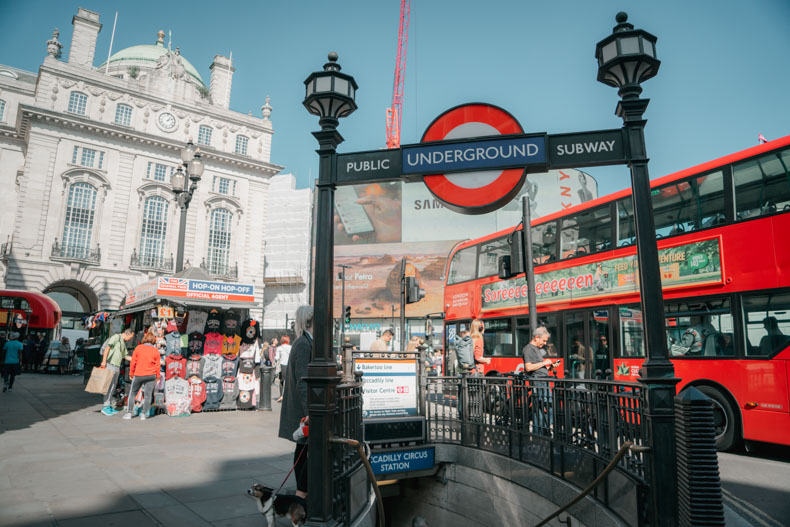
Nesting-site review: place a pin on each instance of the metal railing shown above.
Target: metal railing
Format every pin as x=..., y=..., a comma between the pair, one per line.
x=151, y=262
x=76, y=253
x=228, y=272
x=346, y=461
x=571, y=428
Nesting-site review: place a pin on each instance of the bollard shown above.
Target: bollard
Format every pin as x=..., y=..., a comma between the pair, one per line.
x=699, y=486
x=265, y=387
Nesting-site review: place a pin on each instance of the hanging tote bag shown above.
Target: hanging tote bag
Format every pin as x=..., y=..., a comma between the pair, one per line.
x=100, y=381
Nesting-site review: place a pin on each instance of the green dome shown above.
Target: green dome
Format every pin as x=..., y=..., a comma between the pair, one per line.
x=150, y=53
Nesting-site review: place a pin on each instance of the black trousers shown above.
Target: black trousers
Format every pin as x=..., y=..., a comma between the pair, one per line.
x=300, y=466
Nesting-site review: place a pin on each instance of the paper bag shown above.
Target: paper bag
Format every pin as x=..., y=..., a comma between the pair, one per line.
x=100, y=381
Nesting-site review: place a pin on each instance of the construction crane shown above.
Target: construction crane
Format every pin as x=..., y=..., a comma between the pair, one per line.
x=395, y=112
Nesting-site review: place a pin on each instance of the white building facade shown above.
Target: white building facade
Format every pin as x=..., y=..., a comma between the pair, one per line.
x=86, y=155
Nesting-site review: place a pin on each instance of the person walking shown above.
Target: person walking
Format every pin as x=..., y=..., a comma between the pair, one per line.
x=282, y=354
x=144, y=372
x=478, y=328
x=41, y=352
x=12, y=353
x=537, y=366
x=383, y=342
x=29, y=353
x=65, y=355
x=113, y=355
x=294, y=408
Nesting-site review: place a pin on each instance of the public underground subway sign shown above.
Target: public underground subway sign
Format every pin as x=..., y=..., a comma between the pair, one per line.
x=473, y=139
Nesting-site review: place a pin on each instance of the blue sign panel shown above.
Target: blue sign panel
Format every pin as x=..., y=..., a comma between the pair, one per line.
x=479, y=154
x=403, y=461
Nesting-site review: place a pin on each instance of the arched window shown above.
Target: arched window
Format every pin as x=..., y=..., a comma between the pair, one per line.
x=78, y=227
x=241, y=144
x=154, y=232
x=204, y=135
x=2, y=110
x=219, y=241
x=78, y=102
x=123, y=115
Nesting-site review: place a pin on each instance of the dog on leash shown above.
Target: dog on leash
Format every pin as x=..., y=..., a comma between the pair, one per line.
x=284, y=505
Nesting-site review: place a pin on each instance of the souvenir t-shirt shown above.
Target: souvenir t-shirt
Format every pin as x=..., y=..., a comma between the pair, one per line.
x=246, y=381
x=196, y=322
x=194, y=366
x=184, y=344
x=230, y=345
x=212, y=343
x=231, y=324
x=182, y=323
x=213, y=322
x=175, y=366
x=173, y=343
x=246, y=399
x=213, y=393
x=250, y=331
x=229, y=365
x=176, y=389
x=212, y=366
x=230, y=391
x=197, y=393
x=196, y=343
x=247, y=365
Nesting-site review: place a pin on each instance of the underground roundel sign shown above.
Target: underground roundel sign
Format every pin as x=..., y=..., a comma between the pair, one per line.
x=481, y=191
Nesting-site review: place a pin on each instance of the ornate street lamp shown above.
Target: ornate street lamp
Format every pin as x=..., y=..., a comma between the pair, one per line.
x=184, y=182
x=329, y=94
x=626, y=58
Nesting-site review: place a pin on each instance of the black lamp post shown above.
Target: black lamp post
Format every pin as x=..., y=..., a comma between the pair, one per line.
x=184, y=186
x=329, y=94
x=626, y=58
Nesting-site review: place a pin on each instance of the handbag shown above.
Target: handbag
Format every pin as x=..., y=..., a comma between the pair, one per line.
x=100, y=381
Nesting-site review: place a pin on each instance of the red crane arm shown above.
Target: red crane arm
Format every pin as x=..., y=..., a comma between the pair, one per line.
x=395, y=112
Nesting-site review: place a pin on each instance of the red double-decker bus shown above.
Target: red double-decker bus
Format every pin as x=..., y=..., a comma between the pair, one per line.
x=723, y=231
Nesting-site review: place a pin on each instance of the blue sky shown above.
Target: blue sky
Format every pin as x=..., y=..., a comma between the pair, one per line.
x=723, y=78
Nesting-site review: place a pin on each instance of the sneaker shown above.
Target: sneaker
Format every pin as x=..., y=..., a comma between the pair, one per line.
x=112, y=410
x=143, y=417
x=10, y=389
x=127, y=415
x=5, y=389
x=107, y=411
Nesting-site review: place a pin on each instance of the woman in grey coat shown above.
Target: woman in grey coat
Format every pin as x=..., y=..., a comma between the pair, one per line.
x=294, y=406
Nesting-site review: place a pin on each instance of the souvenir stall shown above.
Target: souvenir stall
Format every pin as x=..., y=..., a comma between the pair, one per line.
x=209, y=346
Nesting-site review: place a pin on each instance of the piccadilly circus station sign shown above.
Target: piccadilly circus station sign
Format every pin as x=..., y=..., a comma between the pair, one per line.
x=474, y=158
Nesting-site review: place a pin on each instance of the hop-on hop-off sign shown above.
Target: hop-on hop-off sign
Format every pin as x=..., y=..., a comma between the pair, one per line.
x=492, y=164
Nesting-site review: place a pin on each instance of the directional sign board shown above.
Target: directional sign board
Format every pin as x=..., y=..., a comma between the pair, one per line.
x=376, y=165
x=488, y=188
x=603, y=147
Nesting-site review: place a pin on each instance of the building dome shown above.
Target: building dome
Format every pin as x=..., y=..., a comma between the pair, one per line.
x=148, y=56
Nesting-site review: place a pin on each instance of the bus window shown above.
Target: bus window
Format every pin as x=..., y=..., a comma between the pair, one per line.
x=767, y=323
x=544, y=243
x=626, y=235
x=462, y=266
x=689, y=205
x=632, y=343
x=587, y=232
x=599, y=341
x=762, y=185
x=498, y=338
x=487, y=264
x=700, y=329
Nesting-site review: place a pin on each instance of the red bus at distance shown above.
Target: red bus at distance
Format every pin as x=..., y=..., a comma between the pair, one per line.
x=722, y=228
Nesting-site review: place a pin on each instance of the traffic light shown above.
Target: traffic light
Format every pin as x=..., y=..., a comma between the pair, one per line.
x=347, y=315
x=413, y=291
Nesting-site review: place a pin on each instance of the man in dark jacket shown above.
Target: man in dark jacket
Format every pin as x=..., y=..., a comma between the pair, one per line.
x=294, y=406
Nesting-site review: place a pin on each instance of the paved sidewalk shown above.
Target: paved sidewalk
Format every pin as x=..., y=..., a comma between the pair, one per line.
x=64, y=463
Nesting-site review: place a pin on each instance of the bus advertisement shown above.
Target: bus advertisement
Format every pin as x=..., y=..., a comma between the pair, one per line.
x=725, y=269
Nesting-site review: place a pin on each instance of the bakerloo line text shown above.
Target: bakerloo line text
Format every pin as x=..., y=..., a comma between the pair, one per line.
x=549, y=286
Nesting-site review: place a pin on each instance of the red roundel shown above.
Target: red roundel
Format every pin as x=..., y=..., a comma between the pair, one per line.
x=474, y=192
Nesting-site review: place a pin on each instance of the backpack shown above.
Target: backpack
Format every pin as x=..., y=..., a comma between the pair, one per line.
x=464, y=353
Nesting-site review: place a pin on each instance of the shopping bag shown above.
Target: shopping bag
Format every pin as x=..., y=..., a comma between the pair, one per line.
x=100, y=381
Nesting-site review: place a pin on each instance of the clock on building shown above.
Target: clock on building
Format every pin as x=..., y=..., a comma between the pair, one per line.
x=167, y=121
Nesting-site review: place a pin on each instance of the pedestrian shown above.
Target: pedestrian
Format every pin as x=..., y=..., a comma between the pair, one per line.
x=144, y=372
x=537, y=366
x=282, y=354
x=41, y=352
x=65, y=355
x=114, y=352
x=12, y=354
x=383, y=342
x=29, y=353
x=478, y=328
x=294, y=408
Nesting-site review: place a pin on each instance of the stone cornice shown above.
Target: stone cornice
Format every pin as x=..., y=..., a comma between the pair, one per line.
x=30, y=113
x=123, y=86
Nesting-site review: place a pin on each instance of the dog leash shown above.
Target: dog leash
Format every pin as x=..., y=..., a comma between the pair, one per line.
x=277, y=492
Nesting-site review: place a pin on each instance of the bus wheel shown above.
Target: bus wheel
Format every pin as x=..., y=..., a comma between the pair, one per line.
x=724, y=421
